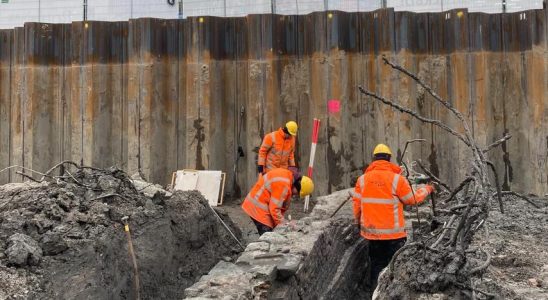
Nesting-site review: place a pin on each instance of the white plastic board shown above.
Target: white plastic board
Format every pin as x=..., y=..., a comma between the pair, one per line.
x=206, y=182
x=186, y=180
x=209, y=183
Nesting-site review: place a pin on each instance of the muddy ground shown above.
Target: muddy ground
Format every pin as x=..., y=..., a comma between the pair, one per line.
x=65, y=239
x=517, y=243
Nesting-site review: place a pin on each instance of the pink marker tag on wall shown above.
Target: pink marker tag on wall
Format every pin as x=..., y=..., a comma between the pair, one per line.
x=333, y=106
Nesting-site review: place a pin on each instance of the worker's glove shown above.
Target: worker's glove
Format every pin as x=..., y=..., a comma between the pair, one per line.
x=430, y=188
x=260, y=169
x=350, y=232
x=356, y=225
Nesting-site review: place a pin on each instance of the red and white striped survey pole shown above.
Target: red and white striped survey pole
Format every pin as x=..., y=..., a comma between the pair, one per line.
x=315, y=131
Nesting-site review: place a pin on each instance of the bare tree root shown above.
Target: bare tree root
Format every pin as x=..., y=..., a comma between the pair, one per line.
x=496, y=143
x=459, y=188
x=434, y=178
x=481, y=267
x=416, y=115
x=497, y=184
x=24, y=169
x=26, y=176
x=467, y=287
x=519, y=196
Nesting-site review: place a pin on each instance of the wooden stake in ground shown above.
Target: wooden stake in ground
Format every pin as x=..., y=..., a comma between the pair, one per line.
x=133, y=259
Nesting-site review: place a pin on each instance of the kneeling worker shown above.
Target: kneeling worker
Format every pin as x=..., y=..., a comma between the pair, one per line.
x=379, y=196
x=269, y=199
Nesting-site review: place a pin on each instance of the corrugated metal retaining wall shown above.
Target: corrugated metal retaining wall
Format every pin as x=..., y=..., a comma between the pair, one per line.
x=162, y=95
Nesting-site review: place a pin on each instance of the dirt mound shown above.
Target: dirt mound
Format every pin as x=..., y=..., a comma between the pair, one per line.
x=509, y=262
x=66, y=239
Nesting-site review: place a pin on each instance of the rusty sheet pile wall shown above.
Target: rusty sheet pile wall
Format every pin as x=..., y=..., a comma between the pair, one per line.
x=162, y=95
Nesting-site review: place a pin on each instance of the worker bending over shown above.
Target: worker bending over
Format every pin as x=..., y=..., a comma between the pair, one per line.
x=277, y=149
x=269, y=198
x=379, y=196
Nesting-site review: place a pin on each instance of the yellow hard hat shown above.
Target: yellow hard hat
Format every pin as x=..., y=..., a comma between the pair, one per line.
x=382, y=149
x=307, y=186
x=292, y=127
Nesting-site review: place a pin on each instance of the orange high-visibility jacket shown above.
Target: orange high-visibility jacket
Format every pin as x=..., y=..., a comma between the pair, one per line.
x=277, y=151
x=379, y=196
x=269, y=199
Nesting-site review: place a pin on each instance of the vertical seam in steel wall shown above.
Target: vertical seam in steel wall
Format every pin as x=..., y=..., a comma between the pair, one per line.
x=326, y=53
x=10, y=146
x=82, y=53
x=362, y=108
x=236, y=113
x=199, y=86
x=61, y=116
x=122, y=98
x=23, y=100
x=140, y=66
x=396, y=86
x=471, y=78
x=503, y=58
x=177, y=90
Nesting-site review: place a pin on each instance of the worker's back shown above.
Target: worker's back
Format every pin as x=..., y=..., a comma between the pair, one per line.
x=381, y=212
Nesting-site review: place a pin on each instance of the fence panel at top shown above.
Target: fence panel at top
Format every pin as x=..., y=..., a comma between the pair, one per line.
x=16, y=12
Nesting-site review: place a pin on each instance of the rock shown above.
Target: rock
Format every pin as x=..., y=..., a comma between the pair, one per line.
x=264, y=273
x=23, y=250
x=108, y=184
x=52, y=243
x=225, y=268
x=288, y=266
x=75, y=233
x=273, y=238
x=258, y=246
x=534, y=282
x=248, y=258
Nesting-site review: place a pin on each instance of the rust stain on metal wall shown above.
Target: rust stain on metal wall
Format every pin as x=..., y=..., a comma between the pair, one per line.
x=159, y=95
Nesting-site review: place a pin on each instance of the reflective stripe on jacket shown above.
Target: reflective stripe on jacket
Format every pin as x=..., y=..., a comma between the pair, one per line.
x=379, y=196
x=269, y=198
x=277, y=151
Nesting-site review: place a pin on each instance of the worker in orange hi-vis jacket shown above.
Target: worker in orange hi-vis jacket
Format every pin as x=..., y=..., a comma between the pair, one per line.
x=270, y=197
x=379, y=196
x=278, y=149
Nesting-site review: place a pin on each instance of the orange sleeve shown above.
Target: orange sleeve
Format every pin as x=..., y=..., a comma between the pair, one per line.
x=407, y=196
x=263, y=150
x=280, y=193
x=357, y=200
x=292, y=154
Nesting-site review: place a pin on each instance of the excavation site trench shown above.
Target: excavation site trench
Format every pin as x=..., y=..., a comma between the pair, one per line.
x=65, y=238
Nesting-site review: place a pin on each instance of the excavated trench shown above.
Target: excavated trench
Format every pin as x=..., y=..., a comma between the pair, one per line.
x=65, y=239
x=336, y=268
x=316, y=257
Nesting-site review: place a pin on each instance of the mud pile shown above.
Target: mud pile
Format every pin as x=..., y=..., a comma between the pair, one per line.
x=66, y=239
x=515, y=243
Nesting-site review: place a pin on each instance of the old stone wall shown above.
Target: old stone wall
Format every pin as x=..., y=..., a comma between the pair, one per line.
x=316, y=257
x=160, y=95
